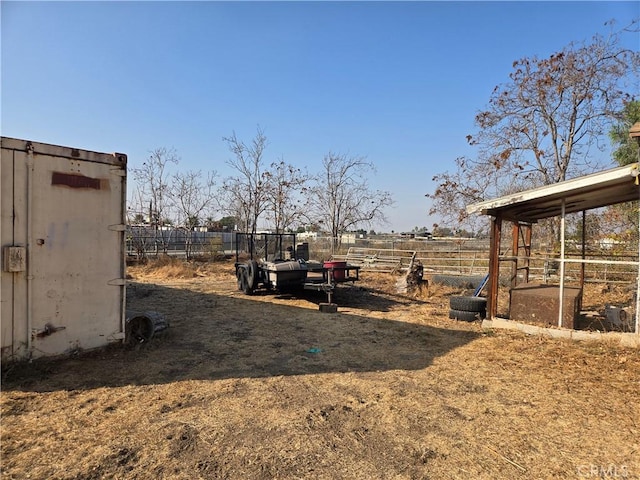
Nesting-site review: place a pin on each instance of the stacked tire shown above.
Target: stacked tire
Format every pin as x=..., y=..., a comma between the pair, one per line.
x=467, y=308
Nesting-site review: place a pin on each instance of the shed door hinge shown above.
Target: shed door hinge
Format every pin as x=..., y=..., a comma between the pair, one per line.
x=14, y=258
x=117, y=282
x=118, y=227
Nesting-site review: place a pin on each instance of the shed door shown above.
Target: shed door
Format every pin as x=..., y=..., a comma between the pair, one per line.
x=76, y=257
x=77, y=253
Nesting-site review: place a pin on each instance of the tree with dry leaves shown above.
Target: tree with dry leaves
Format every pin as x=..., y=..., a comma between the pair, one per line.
x=544, y=126
x=341, y=199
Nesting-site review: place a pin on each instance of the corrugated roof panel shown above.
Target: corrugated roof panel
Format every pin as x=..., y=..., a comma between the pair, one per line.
x=610, y=187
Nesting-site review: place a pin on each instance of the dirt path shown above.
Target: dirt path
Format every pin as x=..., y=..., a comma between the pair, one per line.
x=266, y=386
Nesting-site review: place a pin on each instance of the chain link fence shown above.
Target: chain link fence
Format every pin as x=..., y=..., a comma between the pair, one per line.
x=454, y=256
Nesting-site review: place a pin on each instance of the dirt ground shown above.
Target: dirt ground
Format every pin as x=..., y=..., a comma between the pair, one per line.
x=266, y=387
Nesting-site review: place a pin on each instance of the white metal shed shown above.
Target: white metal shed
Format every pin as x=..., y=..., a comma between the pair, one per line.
x=62, y=235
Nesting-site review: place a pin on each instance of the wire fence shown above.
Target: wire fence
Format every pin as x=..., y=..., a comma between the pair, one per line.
x=438, y=256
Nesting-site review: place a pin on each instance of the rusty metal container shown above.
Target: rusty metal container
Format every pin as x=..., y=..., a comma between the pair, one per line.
x=540, y=304
x=62, y=235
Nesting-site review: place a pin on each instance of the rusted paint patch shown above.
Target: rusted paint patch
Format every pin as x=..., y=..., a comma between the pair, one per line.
x=74, y=180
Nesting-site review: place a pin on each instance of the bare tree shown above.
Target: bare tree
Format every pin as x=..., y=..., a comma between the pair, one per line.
x=192, y=196
x=137, y=207
x=152, y=179
x=543, y=126
x=137, y=235
x=341, y=199
x=244, y=195
x=286, y=202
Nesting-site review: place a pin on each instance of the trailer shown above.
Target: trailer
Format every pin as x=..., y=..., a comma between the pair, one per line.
x=62, y=238
x=275, y=262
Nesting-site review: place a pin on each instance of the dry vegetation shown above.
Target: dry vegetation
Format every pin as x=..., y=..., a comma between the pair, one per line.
x=268, y=387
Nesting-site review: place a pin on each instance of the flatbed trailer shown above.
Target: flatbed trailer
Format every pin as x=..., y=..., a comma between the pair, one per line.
x=273, y=262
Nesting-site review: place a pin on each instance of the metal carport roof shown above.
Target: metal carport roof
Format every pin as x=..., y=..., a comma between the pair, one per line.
x=610, y=187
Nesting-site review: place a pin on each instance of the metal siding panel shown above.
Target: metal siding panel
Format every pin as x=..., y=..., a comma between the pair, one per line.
x=14, y=232
x=6, y=238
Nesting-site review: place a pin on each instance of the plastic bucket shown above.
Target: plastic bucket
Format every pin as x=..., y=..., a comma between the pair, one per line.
x=338, y=269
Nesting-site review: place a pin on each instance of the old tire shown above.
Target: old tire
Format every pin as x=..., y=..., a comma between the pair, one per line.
x=468, y=304
x=458, y=281
x=465, y=316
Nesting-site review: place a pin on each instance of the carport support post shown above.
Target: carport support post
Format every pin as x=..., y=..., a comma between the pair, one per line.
x=494, y=266
x=634, y=134
x=584, y=249
x=638, y=278
x=562, y=226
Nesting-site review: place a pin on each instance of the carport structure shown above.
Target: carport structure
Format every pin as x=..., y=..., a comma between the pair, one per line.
x=523, y=209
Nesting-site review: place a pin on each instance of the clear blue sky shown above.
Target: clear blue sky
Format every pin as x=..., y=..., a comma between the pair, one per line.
x=397, y=82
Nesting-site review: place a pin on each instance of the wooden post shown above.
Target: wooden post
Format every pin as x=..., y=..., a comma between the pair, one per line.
x=515, y=250
x=494, y=267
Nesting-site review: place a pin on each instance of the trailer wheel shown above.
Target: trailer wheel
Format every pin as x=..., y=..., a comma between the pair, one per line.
x=246, y=287
x=468, y=304
x=252, y=274
x=464, y=315
x=239, y=277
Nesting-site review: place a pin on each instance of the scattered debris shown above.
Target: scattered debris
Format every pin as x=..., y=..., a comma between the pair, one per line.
x=413, y=280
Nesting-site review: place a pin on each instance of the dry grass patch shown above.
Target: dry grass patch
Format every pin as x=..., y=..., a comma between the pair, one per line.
x=266, y=386
x=168, y=267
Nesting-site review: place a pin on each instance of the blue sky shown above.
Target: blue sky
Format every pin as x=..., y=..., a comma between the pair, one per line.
x=397, y=82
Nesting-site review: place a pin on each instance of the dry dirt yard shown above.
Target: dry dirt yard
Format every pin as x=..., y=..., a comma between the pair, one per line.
x=266, y=387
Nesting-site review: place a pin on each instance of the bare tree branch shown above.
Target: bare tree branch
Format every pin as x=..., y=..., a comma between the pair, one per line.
x=245, y=193
x=153, y=183
x=192, y=195
x=341, y=199
x=544, y=125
